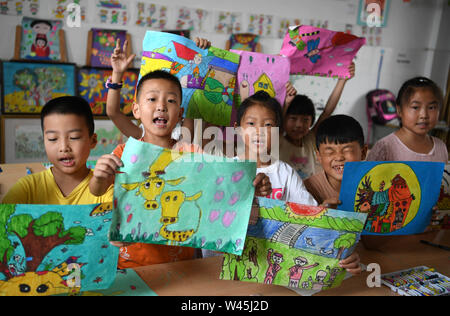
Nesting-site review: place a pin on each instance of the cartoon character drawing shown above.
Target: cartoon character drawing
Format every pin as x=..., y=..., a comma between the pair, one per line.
x=296, y=271
x=171, y=203
x=274, y=260
x=40, y=48
x=320, y=280
x=313, y=50
x=153, y=184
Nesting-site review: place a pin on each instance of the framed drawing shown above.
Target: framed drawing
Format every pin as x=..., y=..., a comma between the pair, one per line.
x=91, y=87
x=27, y=85
x=108, y=137
x=101, y=44
x=40, y=40
x=22, y=140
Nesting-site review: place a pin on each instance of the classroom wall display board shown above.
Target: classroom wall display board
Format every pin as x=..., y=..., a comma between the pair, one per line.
x=112, y=12
x=20, y=7
x=295, y=245
x=91, y=87
x=108, y=137
x=181, y=198
x=207, y=76
x=39, y=39
x=55, y=249
x=22, y=136
x=101, y=44
x=397, y=197
x=317, y=51
x=260, y=72
x=27, y=85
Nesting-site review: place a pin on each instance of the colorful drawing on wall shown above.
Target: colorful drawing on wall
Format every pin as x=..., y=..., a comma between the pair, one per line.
x=180, y=198
x=151, y=15
x=55, y=249
x=320, y=52
x=112, y=12
x=208, y=76
x=261, y=72
x=40, y=39
x=62, y=9
x=27, y=86
x=191, y=19
x=108, y=137
x=244, y=42
x=295, y=245
x=373, y=12
x=284, y=24
x=260, y=24
x=397, y=197
x=103, y=44
x=91, y=87
x=227, y=22
x=19, y=7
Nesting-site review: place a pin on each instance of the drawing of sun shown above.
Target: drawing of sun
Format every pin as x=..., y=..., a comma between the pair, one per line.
x=92, y=83
x=304, y=211
x=390, y=193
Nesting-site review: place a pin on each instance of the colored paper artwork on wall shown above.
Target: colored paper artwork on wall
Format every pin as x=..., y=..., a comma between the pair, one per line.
x=207, y=76
x=320, y=52
x=295, y=245
x=182, y=198
x=55, y=249
x=397, y=197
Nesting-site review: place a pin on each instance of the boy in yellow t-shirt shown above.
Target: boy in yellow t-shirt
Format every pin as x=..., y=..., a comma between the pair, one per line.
x=68, y=127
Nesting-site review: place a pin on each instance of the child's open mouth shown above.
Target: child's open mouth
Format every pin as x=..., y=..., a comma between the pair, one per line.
x=67, y=162
x=338, y=169
x=160, y=122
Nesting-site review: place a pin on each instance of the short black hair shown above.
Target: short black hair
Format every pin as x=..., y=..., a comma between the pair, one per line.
x=69, y=105
x=41, y=21
x=159, y=74
x=410, y=86
x=302, y=105
x=263, y=98
x=339, y=129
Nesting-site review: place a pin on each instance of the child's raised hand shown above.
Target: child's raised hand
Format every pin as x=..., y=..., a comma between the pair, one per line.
x=119, y=59
x=291, y=92
x=351, y=263
x=262, y=185
x=202, y=43
x=106, y=167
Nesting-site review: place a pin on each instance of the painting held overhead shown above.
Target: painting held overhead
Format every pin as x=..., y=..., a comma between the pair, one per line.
x=295, y=245
x=182, y=198
x=397, y=197
x=207, y=76
x=317, y=51
x=55, y=249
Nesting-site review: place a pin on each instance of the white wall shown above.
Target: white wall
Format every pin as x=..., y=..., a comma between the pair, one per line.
x=414, y=43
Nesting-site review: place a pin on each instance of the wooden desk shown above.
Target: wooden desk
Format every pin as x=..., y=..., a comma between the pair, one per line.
x=200, y=277
x=12, y=172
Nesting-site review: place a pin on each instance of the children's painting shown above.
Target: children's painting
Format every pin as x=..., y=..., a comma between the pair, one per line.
x=40, y=39
x=182, y=198
x=112, y=12
x=191, y=19
x=19, y=7
x=55, y=249
x=261, y=24
x=103, y=44
x=295, y=245
x=261, y=72
x=91, y=87
x=151, y=15
x=397, y=197
x=442, y=218
x=320, y=52
x=108, y=137
x=244, y=42
x=27, y=86
x=207, y=76
x=227, y=22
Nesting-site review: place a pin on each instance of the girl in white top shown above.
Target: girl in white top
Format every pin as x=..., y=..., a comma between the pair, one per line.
x=258, y=118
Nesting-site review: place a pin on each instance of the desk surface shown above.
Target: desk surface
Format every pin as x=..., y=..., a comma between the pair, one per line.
x=200, y=277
